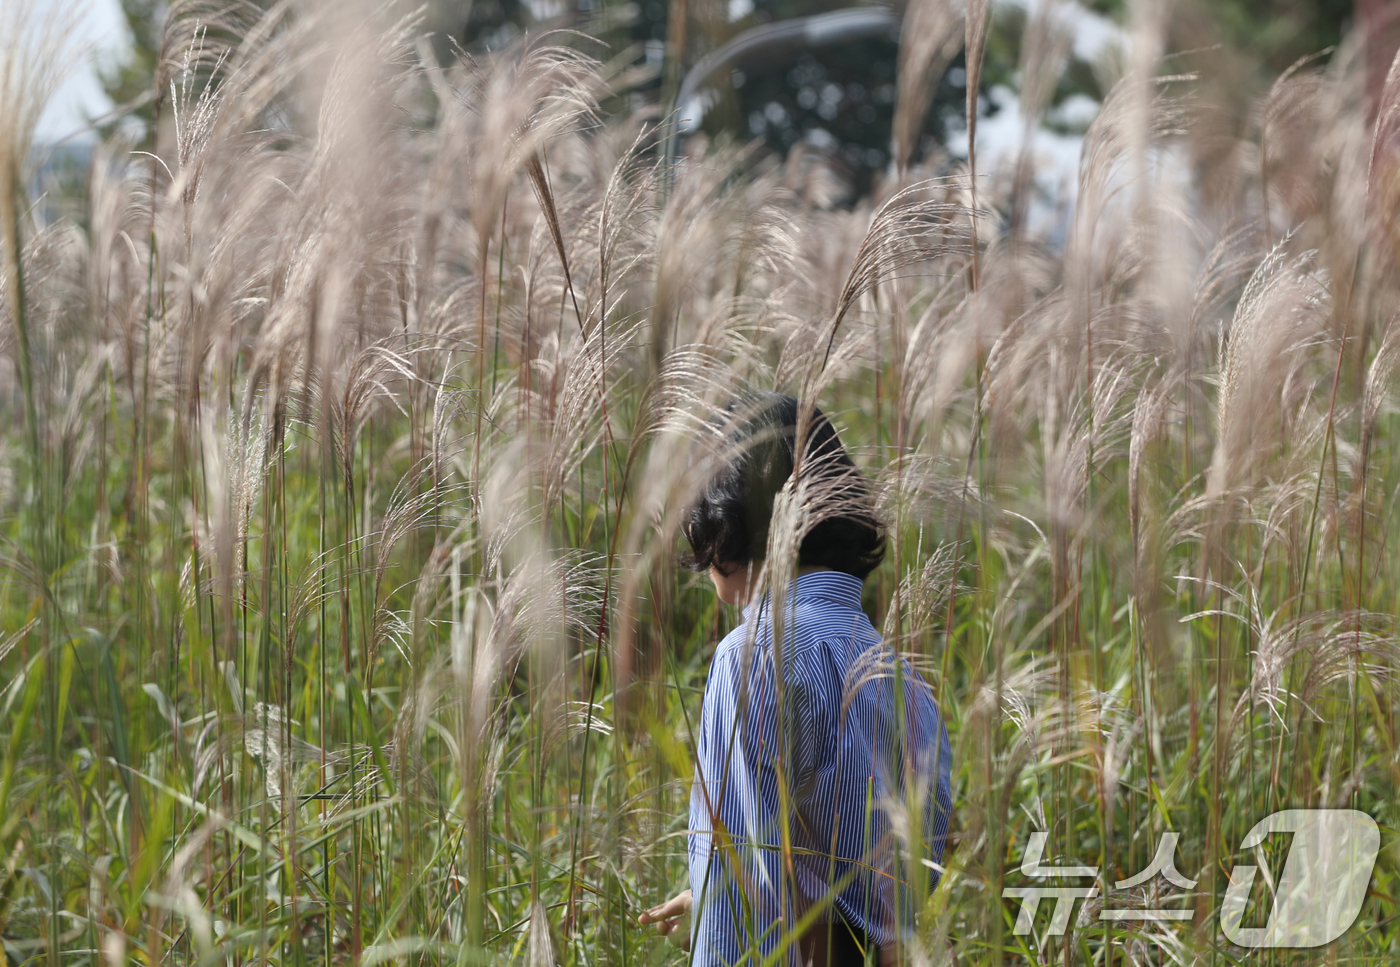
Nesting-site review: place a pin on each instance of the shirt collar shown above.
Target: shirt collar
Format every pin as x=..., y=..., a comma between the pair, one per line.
x=835, y=586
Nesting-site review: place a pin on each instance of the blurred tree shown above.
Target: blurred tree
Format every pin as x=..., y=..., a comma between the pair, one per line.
x=1380, y=20
x=1278, y=32
x=837, y=98
x=1274, y=32
x=127, y=81
x=480, y=24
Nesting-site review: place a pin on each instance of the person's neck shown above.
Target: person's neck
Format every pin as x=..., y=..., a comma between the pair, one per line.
x=753, y=596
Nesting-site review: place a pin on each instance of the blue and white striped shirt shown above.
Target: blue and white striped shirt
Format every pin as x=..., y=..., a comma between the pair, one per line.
x=852, y=759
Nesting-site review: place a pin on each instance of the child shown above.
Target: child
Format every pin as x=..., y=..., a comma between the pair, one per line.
x=791, y=834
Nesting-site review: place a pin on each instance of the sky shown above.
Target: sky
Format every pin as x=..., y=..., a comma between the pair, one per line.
x=99, y=32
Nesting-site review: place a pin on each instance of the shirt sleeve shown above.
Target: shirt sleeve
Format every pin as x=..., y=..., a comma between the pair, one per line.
x=810, y=725
x=717, y=915
x=736, y=871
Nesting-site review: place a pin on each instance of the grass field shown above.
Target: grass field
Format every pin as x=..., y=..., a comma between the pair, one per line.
x=345, y=437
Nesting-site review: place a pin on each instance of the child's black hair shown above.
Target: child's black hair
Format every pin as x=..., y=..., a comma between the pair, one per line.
x=728, y=523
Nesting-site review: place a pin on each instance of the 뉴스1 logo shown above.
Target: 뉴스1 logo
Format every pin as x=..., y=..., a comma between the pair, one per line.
x=1316, y=898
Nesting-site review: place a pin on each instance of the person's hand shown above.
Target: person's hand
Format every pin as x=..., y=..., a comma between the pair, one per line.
x=672, y=919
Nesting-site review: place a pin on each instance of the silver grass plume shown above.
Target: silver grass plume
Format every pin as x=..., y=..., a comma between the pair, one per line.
x=917, y=224
x=35, y=54
x=928, y=41
x=1257, y=360
x=1045, y=48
